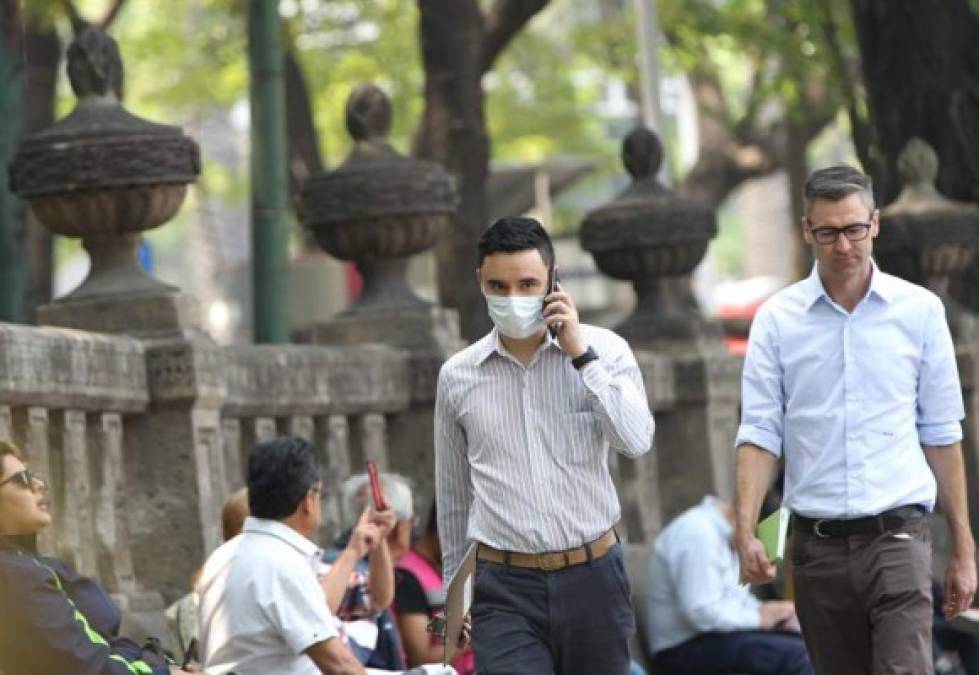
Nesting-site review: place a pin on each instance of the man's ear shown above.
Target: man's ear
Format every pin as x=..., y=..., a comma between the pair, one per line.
x=875, y=223
x=805, y=231
x=307, y=503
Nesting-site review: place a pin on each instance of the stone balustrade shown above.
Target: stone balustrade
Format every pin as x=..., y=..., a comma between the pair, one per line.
x=64, y=395
x=92, y=412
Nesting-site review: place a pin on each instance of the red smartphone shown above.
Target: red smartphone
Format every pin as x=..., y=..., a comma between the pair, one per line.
x=380, y=503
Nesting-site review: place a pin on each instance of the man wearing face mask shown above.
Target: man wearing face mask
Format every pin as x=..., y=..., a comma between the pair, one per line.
x=523, y=426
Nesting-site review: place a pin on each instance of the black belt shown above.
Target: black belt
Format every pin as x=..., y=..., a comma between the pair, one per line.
x=879, y=524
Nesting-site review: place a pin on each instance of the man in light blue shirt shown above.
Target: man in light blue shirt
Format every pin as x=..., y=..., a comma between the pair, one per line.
x=701, y=619
x=851, y=375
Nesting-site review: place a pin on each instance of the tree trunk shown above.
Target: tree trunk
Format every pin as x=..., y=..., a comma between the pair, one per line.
x=459, y=45
x=797, y=141
x=42, y=49
x=13, y=270
x=919, y=59
x=454, y=133
x=304, y=150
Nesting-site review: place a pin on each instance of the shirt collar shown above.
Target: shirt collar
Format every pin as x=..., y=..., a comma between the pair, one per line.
x=879, y=285
x=490, y=344
x=279, y=530
x=709, y=504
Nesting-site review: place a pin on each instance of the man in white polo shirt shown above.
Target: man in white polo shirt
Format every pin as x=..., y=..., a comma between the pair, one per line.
x=262, y=608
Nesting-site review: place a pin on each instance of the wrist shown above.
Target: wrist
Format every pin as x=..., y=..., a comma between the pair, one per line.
x=964, y=551
x=584, y=358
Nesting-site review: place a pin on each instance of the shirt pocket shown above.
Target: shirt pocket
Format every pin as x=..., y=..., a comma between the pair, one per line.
x=579, y=437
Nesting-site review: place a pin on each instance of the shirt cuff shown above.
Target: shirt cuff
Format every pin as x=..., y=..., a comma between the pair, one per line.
x=315, y=632
x=595, y=376
x=763, y=438
x=941, y=433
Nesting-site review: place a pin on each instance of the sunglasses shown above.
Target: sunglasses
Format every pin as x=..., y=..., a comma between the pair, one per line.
x=26, y=478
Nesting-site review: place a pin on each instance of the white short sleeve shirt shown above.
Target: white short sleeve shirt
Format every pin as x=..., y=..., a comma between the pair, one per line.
x=261, y=605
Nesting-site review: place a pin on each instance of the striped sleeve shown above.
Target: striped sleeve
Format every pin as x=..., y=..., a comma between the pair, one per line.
x=452, y=478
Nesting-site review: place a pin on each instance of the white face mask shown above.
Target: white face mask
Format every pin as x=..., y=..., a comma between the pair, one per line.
x=516, y=316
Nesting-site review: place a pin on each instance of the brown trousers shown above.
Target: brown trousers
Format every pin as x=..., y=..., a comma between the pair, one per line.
x=864, y=601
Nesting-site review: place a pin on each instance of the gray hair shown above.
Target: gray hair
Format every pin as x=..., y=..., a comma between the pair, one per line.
x=838, y=182
x=396, y=488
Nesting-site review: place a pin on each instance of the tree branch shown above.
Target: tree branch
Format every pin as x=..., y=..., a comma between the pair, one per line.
x=78, y=24
x=505, y=19
x=846, y=76
x=111, y=14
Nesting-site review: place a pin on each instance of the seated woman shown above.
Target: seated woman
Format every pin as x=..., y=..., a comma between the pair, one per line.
x=419, y=595
x=54, y=621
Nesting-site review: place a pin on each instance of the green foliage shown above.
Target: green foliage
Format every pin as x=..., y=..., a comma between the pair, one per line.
x=764, y=52
x=343, y=43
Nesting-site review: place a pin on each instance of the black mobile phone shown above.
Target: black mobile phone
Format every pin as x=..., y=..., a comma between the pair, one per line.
x=552, y=282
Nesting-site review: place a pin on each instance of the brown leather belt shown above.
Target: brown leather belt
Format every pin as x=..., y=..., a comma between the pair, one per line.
x=556, y=560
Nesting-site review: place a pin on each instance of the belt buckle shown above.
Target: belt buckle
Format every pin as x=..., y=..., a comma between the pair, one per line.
x=815, y=528
x=550, y=562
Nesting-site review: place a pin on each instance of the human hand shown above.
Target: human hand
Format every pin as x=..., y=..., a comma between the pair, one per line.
x=384, y=521
x=365, y=535
x=465, y=637
x=960, y=584
x=756, y=568
x=559, y=310
x=776, y=614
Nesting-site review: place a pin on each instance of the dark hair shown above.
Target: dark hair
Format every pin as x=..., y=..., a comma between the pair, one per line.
x=8, y=448
x=512, y=234
x=280, y=474
x=432, y=524
x=838, y=182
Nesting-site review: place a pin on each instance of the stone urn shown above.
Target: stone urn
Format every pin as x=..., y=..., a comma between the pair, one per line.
x=378, y=208
x=654, y=238
x=925, y=237
x=105, y=175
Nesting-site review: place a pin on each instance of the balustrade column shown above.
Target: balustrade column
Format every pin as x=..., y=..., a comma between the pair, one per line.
x=233, y=452
x=6, y=423
x=333, y=436
x=115, y=563
x=77, y=537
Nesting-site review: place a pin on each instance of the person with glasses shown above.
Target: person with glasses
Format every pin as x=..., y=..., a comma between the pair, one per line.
x=262, y=608
x=850, y=375
x=54, y=621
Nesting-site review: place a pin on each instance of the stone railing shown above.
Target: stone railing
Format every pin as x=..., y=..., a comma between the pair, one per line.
x=65, y=397
x=141, y=441
x=338, y=398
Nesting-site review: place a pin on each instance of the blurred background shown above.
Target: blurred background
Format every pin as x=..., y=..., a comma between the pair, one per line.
x=747, y=95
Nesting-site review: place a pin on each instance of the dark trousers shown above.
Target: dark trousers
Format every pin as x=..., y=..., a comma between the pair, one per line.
x=575, y=621
x=754, y=652
x=864, y=601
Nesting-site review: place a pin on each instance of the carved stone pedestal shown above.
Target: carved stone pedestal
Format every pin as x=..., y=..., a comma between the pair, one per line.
x=429, y=328
x=655, y=239
x=695, y=435
x=139, y=315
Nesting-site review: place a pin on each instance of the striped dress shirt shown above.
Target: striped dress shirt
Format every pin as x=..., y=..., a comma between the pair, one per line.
x=521, y=454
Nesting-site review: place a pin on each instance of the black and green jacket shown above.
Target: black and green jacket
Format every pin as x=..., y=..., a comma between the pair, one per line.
x=55, y=622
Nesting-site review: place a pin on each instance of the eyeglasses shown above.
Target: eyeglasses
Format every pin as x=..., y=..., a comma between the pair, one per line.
x=26, y=478
x=829, y=235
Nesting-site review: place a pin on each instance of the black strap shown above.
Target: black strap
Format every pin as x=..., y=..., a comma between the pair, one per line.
x=883, y=522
